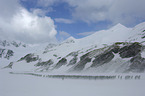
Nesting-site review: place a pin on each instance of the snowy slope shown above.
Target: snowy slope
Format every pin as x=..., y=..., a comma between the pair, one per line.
x=115, y=34
x=13, y=50
x=138, y=33
x=79, y=54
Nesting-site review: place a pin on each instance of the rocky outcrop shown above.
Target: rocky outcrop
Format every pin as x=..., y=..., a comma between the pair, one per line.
x=29, y=58
x=61, y=62
x=130, y=50
x=9, y=54
x=7, y=49
x=125, y=50
x=6, y=43
x=83, y=61
x=73, y=61
x=6, y=53
x=1, y=52
x=102, y=59
x=44, y=63
x=43, y=66
x=10, y=65
x=72, y=54
x=137, y=64
x=116, y=49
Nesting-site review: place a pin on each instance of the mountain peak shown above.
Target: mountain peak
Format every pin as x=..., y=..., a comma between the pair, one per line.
x=119, y=25
x=69, y=40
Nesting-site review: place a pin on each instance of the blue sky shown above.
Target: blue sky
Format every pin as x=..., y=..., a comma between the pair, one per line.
x=57, y=20
x=63, y=10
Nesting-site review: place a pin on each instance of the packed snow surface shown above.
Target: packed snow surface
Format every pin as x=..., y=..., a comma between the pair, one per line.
x=21, y=85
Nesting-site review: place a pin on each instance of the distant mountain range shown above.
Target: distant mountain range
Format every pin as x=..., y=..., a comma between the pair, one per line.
x=118, y=50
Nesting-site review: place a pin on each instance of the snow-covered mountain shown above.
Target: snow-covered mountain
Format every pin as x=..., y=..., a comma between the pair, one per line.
x=118, y=49
x=13, y=50
x=7, y=48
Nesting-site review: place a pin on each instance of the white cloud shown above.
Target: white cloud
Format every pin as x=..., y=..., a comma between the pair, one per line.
x=85, y=33
x=93, y=11
x=62, y=20
x=26, y=26
x=8, y=8
x=117, y=11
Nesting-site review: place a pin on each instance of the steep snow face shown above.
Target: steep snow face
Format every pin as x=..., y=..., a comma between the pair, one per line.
x=118, y=33
x=138, y=33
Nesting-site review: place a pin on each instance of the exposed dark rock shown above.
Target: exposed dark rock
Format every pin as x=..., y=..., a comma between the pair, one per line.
x=116, y=49
x=130, y=50
x=138, y=64
x=24, y=45
x=4, y=43
x=10, y=65
x=49, y=46
x=15, y=44
x=61, y=62
x=29, y=58
x=119, y=43
x=80, y=66
x=102, y=58
x=59, y=58
x=1, y=52
x=143, y=37
x=9, y=54
x=73, y=61
x=45, y=63
x=84, y=56
x=83, y=61
x=55, y=55
x=72, y=54
x=6, y=53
